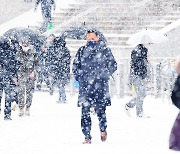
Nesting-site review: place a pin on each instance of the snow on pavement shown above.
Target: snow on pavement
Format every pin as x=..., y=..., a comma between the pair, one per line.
x=55, y=128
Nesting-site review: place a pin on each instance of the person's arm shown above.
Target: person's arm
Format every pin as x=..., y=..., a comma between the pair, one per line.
x=110, y=61
x=77, y=64
x=54, y=4
x=36, y=4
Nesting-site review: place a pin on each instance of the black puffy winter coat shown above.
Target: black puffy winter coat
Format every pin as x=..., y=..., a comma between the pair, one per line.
x=139, y=61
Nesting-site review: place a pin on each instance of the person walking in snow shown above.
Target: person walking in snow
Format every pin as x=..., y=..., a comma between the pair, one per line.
x=42, y=71
x=28, y=60
x=8, y=74
x=174, y=140
x=46, y=8
x=92, y=67
x=138, y=75
x=59, y=63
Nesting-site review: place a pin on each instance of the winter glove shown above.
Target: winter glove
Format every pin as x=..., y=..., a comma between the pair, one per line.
x=76, y=84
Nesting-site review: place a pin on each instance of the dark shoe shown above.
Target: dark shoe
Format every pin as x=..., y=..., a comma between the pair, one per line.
x=51, y=92
x=143, y=116
x=7, y=117
x=103, y=136
x=38, y=87
x=127, y=109
x=87, y=141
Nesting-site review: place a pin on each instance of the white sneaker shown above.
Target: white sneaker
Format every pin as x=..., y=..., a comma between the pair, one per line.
x=143, y=116
x=127, y=109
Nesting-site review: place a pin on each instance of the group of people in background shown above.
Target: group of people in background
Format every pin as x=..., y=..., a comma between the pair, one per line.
x=21, y=65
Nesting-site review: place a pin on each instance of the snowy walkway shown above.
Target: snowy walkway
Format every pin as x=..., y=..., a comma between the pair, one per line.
x=55, y=129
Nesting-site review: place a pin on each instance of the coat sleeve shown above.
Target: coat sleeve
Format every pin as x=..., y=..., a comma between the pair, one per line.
x=66, y=60
x=77, y=64
x=110, y=61
x=52, y=2
x=37, y=3
x=10, y=64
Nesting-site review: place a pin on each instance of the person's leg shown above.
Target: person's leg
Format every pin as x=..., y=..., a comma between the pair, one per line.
x=46, y=78
x=52, y=85
x=101, y=114
x=8, y=100
x=21, y=96
x=86, y=122
x=62, y=93
x=140, y=88
x=1, y=91
x=132, y=103
x=29, y=95
x=46, y=19
x=39, y=80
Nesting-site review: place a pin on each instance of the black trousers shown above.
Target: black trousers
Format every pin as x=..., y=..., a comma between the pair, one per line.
x=10, y=94
x=86, y=120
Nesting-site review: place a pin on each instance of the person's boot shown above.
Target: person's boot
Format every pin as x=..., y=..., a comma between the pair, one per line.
x=103, y=136
x=38, y=86
x=7, y=117
x=127, y=109
x=87, y=141
x=21, y=111
x=27, y=112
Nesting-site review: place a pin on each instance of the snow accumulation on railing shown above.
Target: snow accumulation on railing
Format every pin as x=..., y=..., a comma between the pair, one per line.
x=170, y=27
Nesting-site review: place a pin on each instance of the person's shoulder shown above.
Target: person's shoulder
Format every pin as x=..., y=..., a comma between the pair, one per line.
x=106, y=50
x=82, y=48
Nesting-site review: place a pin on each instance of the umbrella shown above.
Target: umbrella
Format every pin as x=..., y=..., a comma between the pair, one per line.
x=147, y=36
x=79, y=33
x=22, y=34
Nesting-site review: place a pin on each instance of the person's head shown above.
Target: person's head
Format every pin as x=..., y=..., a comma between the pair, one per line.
x=92, y=36
x=177, y=65
x=25, y=44
x=50, y=38
x=59, y=42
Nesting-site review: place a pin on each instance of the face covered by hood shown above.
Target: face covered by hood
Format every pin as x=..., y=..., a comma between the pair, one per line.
x=25, y=46
x=59, y=42
x=95, y=39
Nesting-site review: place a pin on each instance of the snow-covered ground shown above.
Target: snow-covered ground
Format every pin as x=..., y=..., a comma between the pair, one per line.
x=55, y=128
